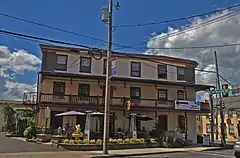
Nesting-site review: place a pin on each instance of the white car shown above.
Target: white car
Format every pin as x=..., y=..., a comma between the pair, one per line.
x=237, y=149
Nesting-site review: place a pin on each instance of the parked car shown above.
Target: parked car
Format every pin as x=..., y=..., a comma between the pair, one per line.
x=237, y=149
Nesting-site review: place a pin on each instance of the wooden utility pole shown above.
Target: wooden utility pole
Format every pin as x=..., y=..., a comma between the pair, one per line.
x=223, y=140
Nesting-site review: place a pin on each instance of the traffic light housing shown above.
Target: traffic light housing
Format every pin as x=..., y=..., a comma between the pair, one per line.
x=225, y=86
x=222, y=104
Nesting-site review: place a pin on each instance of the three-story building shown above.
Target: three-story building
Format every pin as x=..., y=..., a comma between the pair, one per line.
x=160, y=88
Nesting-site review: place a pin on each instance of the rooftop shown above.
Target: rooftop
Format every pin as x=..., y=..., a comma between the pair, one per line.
x=119, y=54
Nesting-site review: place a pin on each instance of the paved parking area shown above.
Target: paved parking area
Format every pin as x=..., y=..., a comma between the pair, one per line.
x=10, y=145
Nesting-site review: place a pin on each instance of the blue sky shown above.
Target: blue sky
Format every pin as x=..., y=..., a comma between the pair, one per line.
x=83, y=16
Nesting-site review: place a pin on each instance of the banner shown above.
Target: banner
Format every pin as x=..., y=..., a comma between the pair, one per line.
x=187, y=105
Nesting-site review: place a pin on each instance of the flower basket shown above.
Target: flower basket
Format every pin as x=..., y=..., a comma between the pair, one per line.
x=77, y=136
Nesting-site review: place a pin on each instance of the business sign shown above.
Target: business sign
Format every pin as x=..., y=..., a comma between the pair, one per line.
x=187, y=105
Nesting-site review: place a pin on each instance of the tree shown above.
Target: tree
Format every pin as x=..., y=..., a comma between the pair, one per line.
x=9, y=118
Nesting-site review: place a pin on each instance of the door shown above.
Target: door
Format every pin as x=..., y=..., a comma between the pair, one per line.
x=163, y=122
x=56, y=121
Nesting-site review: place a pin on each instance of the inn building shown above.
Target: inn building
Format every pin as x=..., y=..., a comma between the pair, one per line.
x=160, y=88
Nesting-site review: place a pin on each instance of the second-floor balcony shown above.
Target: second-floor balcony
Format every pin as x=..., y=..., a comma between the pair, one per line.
x=61, y=100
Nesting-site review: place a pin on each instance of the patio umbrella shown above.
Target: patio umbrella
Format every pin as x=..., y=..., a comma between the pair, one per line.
x=70, y=113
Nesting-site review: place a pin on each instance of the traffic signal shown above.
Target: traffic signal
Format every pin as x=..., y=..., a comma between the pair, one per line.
x=128, y=105
x=225, y=86
x=222, y=104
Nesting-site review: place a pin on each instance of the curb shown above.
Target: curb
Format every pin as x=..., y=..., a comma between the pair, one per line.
x=153, y=153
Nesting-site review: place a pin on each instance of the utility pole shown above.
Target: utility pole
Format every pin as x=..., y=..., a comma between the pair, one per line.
x=217, y=101
x=220, y=100
x=212, y=118
x=108, y=80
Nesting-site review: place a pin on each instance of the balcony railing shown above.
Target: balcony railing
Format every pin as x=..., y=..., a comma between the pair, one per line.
x=99, y=100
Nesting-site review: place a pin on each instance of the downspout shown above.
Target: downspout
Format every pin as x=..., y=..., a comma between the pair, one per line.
x=186, y=118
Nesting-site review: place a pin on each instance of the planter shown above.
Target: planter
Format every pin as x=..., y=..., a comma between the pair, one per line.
x=94, y=147
x=43, y=138
x=77, y=136
x=80, y=147
x=57, y=139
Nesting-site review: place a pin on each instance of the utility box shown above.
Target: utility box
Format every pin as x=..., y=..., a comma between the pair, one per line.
x=105, y=15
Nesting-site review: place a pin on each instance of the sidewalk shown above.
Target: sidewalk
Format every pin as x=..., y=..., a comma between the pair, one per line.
x=149, y=151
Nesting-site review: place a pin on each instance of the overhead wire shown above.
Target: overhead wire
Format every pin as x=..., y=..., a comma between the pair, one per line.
x=177, y=19
x=91, y=49
x=203, y=24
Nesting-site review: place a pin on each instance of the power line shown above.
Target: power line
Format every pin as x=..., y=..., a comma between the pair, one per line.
x=198, y=47
x=203, y=24
x=178, y=19
x=91, y=49
x=38, y=39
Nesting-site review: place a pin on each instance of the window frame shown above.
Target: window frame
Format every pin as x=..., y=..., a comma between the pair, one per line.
x=178, y=94
x=80, y=86
x=134, y=71
x=231, y=130
x=104, y=66
x=181, y=77
x=59, y=84
x=131, y=92
x=230, y=113
x=162, y=74
x=166, y=93
x=60, y=66
x=88, y=68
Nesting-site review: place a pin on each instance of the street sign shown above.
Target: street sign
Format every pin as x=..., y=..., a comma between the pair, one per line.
x=221, y=91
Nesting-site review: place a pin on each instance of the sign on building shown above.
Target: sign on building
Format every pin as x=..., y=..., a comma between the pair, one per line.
x=236, y=89
x=186, y=105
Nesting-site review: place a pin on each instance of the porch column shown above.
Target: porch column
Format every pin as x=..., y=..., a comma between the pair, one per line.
x=133, y=125
x=87, y=126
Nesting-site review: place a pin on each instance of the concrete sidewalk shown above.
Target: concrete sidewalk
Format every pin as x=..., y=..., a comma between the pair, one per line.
x=149, y=151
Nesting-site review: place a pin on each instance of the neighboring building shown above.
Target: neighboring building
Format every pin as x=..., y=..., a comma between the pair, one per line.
x=71, y=79
x=15, y=104
x=232, y=119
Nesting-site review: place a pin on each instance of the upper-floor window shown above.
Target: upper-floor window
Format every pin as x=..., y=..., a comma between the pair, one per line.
x=59, y=87
x=135, y=69
x=180, y=95
x=135, y=92
x=104, y=66
x=180, y=73
x=230, y=114
x=162, y=94
x=238, y=113
x=162, y=71
x=84, y=89
x=61, y=62
x=85, y=64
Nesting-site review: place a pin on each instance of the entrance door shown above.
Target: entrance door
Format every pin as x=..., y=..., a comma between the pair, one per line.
x=56, y=121
x=163, y=122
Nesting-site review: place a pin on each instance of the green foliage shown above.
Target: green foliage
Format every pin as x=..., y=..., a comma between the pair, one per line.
x=9, y=118
x=31, y=130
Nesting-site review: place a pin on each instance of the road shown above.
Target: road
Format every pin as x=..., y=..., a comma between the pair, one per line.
x=11, y=145
x=206, y=154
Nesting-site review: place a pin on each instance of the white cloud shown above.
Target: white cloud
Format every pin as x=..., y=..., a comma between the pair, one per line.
x=12, y=63
x=223, y=32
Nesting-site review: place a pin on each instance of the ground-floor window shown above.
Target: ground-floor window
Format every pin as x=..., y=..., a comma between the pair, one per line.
x=182, y=123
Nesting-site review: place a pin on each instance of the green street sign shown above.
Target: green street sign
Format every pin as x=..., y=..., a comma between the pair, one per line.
x=221, y=91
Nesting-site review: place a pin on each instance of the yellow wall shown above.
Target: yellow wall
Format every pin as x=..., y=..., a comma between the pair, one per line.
x=229, y=137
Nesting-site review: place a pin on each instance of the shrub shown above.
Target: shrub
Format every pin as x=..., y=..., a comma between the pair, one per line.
x=79, y=141
x=66, y=141
x=85, y=141
x=92, y=141
x=152, y=140
x=119, y=141
x=99, y=141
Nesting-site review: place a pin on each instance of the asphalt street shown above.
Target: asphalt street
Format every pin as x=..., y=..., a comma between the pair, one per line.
x=206, y=154
x=10, y=145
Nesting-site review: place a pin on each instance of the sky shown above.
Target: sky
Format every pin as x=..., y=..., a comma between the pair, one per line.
x=20, y=59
